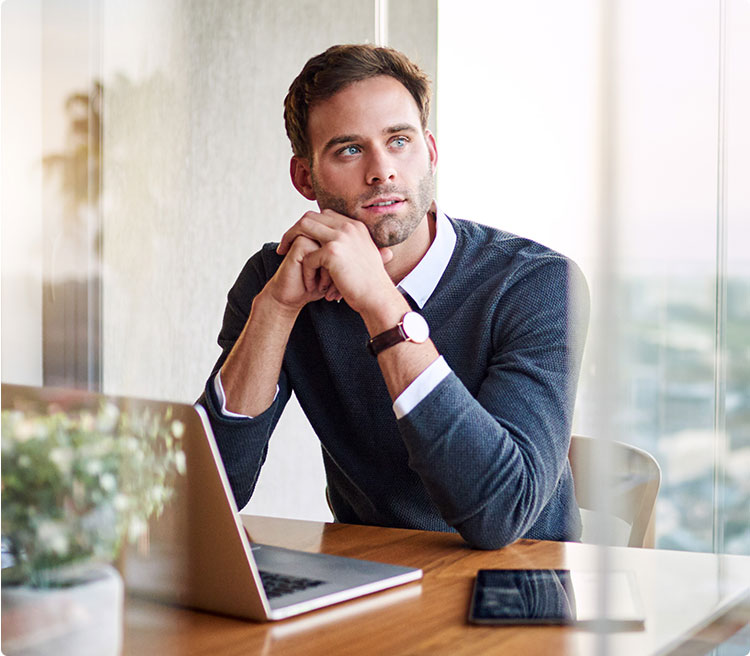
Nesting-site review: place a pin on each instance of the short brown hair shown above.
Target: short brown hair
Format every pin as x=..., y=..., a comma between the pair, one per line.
x=329, y=72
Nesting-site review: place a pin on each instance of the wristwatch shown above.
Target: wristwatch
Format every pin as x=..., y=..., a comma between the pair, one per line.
x=411, y=328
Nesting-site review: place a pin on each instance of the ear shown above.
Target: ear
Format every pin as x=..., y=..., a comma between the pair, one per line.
x=432, y=149
x=301, y=173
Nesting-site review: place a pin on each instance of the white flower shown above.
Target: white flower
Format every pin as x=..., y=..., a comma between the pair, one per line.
x=108, y=482
x=93, y=467
x=178, y=428
x=157, y=494
x=42, y=429
x=24, y=429
x=108, y=418
x=63, y=458
x=180, y=462
x=131, y=444
x=137, y=528
x=121, y=502
x=52, y=536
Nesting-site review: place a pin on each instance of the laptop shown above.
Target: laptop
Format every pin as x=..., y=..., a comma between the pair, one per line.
x=198, y=554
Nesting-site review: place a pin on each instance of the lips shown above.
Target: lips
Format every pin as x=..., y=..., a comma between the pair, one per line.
x=384, y=203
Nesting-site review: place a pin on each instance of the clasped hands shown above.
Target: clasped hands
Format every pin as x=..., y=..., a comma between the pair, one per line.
x=329, y=255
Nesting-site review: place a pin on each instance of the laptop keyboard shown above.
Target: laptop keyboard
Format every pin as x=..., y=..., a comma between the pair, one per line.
x=276, y=585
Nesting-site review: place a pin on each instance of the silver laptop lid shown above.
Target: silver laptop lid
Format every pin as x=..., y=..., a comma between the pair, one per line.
x=198, y=554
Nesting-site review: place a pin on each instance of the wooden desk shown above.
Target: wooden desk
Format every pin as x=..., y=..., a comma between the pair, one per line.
x=693, y=601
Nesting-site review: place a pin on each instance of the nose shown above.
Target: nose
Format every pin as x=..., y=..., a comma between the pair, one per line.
x=380, y=167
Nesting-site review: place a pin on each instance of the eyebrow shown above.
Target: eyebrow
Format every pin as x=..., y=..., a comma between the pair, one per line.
x=401, y=127
x=348, y=138
x=342, y=139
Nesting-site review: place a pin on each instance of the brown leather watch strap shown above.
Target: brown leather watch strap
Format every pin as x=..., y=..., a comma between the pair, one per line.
x=411, y=328
x=386, y=339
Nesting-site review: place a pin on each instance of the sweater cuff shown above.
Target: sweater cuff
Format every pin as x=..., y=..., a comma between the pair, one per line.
x=221, y=397
x=420, y=387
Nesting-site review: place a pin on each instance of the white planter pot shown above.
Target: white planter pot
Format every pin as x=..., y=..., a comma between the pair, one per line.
x=80, y=620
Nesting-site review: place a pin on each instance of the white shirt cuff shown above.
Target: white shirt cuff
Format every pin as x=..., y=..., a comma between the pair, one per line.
x=420, y=387
x=219, y=389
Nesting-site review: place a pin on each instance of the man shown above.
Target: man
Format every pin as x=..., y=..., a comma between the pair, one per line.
x=466, y=429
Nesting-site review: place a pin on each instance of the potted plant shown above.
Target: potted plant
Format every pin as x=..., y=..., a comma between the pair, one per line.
x=76, y=485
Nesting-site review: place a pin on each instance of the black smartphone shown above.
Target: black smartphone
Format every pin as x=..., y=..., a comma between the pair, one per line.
x=522, y=596
x=555, y=596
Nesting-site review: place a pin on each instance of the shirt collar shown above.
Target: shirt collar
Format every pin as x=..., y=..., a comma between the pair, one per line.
x=423, y=278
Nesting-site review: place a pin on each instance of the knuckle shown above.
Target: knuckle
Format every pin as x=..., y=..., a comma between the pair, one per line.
x=303, y=244
x=296, y=247
x=334, y=249
x=351, y=227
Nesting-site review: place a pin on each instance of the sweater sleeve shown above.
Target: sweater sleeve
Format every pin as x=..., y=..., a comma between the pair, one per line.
x=493, y=461
x=242, y=442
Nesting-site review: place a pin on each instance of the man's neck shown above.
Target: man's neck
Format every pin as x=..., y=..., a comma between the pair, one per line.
x=409, y=253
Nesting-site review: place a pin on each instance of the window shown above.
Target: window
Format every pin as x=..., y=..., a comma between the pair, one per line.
x=617, y=133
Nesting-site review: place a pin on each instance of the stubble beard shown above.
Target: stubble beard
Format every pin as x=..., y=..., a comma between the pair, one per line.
x=390, y=229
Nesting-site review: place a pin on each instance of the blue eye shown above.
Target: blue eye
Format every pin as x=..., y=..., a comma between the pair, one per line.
x=349, y=150
x=400, y=142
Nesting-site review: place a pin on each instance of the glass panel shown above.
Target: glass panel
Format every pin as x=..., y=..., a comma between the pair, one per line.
x=51, y=177
x=563, y=123
x=666, y=117
x=177, y=88
x=21, y=42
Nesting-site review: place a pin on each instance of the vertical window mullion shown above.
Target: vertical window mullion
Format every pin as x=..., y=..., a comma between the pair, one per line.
x=720, y=435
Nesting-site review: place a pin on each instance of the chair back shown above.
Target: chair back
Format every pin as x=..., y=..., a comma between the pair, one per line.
x=632, y=485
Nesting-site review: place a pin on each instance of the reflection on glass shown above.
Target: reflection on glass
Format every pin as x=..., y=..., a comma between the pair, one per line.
x=72, y=282
x=675, y=381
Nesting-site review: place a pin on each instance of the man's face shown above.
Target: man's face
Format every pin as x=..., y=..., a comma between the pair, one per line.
x=371, y=161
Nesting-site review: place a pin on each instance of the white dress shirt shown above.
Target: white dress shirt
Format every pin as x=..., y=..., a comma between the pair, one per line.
x=420, y=283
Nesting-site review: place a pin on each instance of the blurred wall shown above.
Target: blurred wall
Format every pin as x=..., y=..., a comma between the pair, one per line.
x=195, y=180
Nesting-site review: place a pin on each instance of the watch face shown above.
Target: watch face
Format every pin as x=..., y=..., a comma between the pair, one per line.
x=415, y=327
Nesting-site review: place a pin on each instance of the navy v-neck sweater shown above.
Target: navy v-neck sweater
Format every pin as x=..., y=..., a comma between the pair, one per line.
x=485, y=453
